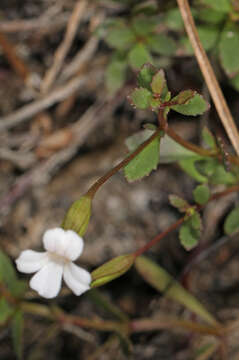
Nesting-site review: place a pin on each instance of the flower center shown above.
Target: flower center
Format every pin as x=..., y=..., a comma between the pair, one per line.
x=59, y=259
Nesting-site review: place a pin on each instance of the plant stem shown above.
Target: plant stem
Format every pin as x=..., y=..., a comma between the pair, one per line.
x=95, y=187
x=209, y=76
x=174, y=226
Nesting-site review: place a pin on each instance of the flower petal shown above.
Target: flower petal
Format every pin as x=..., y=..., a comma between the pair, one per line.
x=76, y=278
x=74, y=246
x=31, y=261
x=64, y=243
x=47, y=281
x=54, y=241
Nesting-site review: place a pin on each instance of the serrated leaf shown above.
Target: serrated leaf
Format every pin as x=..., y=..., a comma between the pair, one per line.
x=17, y=333
x=140, y=98
x=219, y=5
x=132, y=142
x=162, y=44
x=229, y=49
x=145, y=76
x=138, y=56
x=195, y=221
x=120, y=37
x=201, y=194
x=173, y=20
x=112, y=269
x=5, y=311
x=231, y=223
x=157, y=277
x=188, y=236
x=178, y=202
x=208, y=138
x=158, y=82
x=146, y=161
x=184, y=97
x=115, y=75
x=196, y=106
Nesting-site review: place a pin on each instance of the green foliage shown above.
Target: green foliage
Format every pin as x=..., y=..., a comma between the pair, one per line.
x=231, y=223
x=140, y=98
x=115, y=75
x=208, y=138
x=158, y=82
x=119, y=36
x=5, y=311
x=9, y=278
x=195, y=106
x=201, y=194
x=229, y=49
x=208, y=36
x=139, y=55
x=190, y=231
x=112, y=270
x=157, y=277
x=173, y=19
x=17, y=333
x=219, y=5
x=162, y=44
x=146, y=161
x=179, y=203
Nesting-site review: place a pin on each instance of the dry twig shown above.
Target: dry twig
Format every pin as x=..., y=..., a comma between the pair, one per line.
x=64, y=47
x=209, y=76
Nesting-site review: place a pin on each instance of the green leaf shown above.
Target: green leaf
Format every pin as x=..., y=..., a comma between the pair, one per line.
x=184, y=97
x=138, y=56
x=229, y=49
x=140, y=98
x=173, y=20
x=208, y=138
x=219, y=5
x=157, y=277
x=5, y=311
x=235, y=82
x=17, y=333
x=120, y=37
x=78, y=216
x=196, y=106
x=171, y=151
x=178, y=202
x=189, y=166
x=115, y=75
x=112, y=269
x=201, y=194
x=132, y=142
x=189, y=235
x=144, y=25
x=210, y=16
x=146, y=161
x=231, y=223
x=7, y=272
x=221, y=176
x=162, y=44
x=158, y=82
x=145, y=75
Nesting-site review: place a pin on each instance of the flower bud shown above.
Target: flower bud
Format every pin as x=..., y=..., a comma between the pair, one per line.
x=78, y=216
x=112, y=269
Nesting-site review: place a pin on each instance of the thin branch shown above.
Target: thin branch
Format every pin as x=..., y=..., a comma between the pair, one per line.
x=64, y=47
x=208, y=73
x=59, y=94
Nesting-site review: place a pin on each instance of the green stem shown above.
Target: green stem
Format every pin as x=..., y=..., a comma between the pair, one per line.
x=95, y=187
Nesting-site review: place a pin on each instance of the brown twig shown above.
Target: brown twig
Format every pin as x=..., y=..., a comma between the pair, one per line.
x=208, y=73
x=27, y=111
x=64, y=47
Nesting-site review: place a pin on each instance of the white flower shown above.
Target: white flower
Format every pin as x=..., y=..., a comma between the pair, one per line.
x=62, y=248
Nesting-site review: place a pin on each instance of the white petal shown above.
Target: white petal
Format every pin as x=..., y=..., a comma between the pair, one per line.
x=31, y=261
x=74, y=245
x=54, y=241
x=76, y=278
x=47, y=281
x=63, y=242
